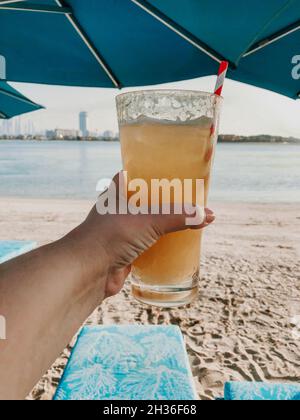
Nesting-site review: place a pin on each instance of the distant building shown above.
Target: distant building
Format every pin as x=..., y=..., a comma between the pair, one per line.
x=7, y=128
x=18, y=126
x=108, y=136
x=62, y=134
x=83, y=124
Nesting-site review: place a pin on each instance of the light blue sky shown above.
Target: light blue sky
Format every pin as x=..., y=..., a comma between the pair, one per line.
x=247, y=110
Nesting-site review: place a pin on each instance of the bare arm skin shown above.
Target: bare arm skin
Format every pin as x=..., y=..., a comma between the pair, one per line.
x=46, y=295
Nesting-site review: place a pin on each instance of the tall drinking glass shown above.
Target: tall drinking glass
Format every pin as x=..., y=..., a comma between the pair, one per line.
x=169, y=135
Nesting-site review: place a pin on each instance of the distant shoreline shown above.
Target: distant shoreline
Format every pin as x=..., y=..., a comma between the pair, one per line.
x=223, y=138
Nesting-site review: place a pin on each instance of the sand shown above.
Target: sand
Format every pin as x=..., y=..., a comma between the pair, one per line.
x=242, y=327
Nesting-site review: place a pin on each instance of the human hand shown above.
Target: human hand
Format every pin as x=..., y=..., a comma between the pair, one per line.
x=121, y=238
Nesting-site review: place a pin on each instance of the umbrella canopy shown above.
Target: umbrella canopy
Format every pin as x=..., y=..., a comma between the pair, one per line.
x=13, y=103
x=119, y=43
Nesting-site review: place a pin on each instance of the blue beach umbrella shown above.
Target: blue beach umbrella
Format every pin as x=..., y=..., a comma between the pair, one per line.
x=13, y=103
x=118, y=43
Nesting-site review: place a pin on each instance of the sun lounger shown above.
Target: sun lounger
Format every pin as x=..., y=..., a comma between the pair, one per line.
x=12, y=249
x=258, y=391
x=128, y=363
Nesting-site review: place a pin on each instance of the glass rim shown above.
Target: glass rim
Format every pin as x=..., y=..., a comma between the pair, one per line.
x=179, y=91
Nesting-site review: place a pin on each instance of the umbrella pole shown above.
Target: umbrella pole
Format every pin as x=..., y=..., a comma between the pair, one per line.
x=3, y=116
x=61, y=8
x=273, y=38
x=4, y=2
x=21, y=99
x=90, y=46
x=184, y=34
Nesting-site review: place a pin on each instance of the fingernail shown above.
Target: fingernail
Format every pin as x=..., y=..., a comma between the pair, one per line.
x=198, y=213
x=210, y=218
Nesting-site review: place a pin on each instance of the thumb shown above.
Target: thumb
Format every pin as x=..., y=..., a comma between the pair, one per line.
x=192, y=217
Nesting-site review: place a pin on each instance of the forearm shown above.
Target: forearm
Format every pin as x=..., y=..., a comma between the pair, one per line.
x=45, y=297
x=47, y=294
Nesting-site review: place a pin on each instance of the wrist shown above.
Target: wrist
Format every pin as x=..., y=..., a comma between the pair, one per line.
x=90, y=256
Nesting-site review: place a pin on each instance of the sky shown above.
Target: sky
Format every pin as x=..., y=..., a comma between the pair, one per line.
x=247, y=110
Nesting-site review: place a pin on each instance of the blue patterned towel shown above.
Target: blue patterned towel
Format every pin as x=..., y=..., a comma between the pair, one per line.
x=128, y=363
x=259, y=391
x=12, y=249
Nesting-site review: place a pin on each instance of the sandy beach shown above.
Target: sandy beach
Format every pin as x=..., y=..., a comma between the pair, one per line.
x=241, y=327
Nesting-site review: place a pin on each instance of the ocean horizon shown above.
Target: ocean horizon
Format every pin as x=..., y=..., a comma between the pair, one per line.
x=251, y=172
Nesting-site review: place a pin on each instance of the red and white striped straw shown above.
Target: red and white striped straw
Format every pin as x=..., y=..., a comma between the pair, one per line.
x=221, y=78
